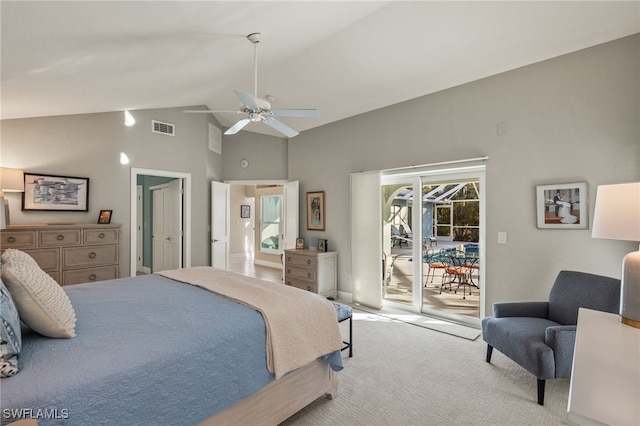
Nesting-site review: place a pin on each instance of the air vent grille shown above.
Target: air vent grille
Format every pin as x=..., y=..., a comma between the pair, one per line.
x=163, y=128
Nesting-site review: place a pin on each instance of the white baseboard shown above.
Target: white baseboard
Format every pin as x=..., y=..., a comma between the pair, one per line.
x=268, y=264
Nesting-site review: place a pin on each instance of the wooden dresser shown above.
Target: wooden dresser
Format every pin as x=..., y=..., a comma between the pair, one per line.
x=311, y=270
x=70, y=254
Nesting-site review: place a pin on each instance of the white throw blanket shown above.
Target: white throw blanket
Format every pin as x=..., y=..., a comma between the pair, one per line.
x=301, y=326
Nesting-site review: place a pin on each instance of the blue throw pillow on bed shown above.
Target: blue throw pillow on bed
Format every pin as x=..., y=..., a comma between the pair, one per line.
x=10, y=337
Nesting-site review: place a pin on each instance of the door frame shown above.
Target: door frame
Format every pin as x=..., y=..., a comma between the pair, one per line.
x=186, y=213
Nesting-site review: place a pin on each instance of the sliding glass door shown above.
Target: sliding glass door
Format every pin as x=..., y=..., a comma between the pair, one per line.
x=427, y=216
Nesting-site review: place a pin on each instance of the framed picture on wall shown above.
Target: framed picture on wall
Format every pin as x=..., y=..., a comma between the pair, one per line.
x=562, y=206
x=245, y=211
x=315, y=211
x=55, y=193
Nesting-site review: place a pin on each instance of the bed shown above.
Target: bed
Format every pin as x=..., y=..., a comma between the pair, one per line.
x=167, y=350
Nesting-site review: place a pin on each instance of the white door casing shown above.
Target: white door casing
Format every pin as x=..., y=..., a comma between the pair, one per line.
x=220, y=200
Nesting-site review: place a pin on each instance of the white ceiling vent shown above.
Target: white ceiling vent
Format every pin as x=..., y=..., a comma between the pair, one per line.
x=163, y=128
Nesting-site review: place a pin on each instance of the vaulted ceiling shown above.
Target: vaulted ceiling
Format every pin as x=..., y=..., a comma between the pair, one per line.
x=341, y=57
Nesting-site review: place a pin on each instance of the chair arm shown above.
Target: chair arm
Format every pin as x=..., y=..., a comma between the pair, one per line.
x=562, y=339
x=521, y=309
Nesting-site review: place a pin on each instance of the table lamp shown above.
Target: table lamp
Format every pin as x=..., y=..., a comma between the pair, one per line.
x=11, y=180
x=617, y=217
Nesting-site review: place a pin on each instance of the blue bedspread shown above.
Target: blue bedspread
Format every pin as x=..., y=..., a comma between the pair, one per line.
x=148, y=350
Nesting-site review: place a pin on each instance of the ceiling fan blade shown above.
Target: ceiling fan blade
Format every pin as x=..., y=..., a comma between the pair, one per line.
x=212, y=111
x=248, y=100
x=301, y=113
x=237, y=127
x=281, y=127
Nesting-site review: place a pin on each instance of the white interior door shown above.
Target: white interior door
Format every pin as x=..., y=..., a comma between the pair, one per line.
x=157, y=237
x=167, y=226
x=291, y=209
x=220, y=198
x=139, y=228
x=173, y=205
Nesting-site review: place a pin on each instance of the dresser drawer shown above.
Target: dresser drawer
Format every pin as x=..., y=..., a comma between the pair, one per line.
x=101, y=236
x=304, y=285
x=300, y=261
x=80, y=276
x=301, y=274
x=48, y=259
x=18, y=239
x=60, y=237
x=78, y=257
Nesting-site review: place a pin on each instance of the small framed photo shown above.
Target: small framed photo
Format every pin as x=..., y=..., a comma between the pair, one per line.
x=55, y=193
x=315, y=211
x=245, y=211
x=322, y=245
x=105, y=216
x=562, y=206
x=299, y=243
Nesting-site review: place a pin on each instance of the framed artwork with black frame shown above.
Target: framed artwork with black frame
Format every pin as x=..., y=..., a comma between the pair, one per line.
x=315, y=211
x=105, y=216
x=245, y=211
x=55, y=193
x=562, y=206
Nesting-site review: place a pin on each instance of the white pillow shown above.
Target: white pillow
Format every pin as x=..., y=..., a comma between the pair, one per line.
x=41, y=302
x=18, y=256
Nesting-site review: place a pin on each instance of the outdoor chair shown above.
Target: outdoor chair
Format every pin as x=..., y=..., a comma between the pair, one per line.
x=540, y=336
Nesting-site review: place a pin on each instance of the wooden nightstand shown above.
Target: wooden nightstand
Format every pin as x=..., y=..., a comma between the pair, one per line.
x=311, y=270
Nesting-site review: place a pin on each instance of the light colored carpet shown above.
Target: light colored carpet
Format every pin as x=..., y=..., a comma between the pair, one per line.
x=436, y=324
x=401, y=374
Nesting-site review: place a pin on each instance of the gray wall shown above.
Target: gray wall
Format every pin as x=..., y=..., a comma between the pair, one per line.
x=89, y=145
x=570, y=119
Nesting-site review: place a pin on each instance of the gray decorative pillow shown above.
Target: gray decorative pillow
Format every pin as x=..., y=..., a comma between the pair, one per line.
x=41, y=302
x=10, y=337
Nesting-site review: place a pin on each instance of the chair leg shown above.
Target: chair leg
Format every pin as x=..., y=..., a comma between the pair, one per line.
x=489, y=352
x=541, y=383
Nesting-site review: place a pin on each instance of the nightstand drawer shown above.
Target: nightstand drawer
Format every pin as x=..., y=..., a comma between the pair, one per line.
x=77, y=257
x=304, y=285
x=18, y=239
x=101, y=236
x=60, y=237
x=301, y=274
x=80, y=276
x=300, y=261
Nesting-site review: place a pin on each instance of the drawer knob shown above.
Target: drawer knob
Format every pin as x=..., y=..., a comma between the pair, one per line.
x=11, y=239
x=92, y=277
x=308, y=261
x=308, y=288
x=288, y=271
x=60, y=237
x=101, y=235
x=308, y=274
x=92, y=255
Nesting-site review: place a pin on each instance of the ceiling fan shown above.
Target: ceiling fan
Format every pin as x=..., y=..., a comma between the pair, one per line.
x=259, y=110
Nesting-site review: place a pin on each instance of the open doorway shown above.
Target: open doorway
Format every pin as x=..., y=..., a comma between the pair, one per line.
x=263, y=222
x=436, y=219
x=173, y=216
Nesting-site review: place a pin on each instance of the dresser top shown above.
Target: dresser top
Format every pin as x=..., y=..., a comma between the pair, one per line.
x=307, y=252
x=35, y=226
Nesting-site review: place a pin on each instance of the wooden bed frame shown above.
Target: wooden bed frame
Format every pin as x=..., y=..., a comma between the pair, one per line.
x=282, y=398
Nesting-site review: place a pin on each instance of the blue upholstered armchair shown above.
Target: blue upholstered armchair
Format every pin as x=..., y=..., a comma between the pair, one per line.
x=540, y=336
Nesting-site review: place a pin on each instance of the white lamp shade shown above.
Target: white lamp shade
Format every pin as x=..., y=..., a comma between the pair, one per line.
x=617, y=212
x=11, y=180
